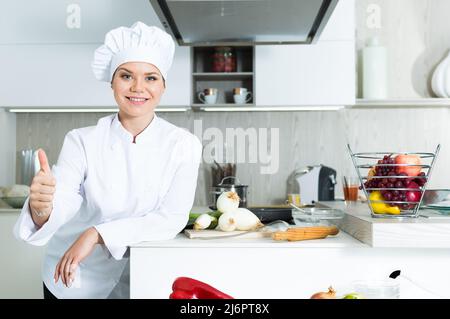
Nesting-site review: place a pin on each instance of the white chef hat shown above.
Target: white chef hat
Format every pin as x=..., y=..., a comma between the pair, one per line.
x=140, y=43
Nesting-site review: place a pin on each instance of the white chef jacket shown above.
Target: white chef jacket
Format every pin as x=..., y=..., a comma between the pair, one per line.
x=130, y=192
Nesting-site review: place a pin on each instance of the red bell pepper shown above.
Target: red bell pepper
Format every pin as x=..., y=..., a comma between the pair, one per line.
x=188, y=288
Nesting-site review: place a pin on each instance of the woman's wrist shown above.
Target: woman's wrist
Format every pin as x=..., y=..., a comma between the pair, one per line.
x=39, y=218
x=95, y=235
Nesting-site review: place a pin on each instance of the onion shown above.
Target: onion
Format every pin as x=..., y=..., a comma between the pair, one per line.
x=227, y=221
x=202, y=222
x=246, y=220
x=331, y=294
x=228, y=202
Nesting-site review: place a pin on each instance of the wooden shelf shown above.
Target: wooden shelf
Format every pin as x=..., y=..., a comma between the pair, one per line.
x=424, y=102
x=203, y=77
x=231, y=107
x=224, y=76
x=221, y=105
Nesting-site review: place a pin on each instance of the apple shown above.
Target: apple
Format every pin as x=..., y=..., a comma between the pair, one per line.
x=411, y=160
x=413, y=196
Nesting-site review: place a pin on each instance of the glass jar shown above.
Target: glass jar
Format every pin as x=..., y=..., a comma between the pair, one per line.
x=224, y=60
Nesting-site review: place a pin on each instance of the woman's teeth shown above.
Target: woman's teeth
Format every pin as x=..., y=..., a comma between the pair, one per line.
x=136, y=99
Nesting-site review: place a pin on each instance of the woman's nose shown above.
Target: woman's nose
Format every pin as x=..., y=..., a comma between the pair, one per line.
x=137, y=86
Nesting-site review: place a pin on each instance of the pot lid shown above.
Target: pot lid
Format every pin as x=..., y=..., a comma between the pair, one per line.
x=236, y=184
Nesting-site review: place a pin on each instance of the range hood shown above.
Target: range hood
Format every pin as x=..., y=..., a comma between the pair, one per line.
x=244, y=22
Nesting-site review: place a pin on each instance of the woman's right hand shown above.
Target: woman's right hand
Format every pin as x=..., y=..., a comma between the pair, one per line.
x=42, y=189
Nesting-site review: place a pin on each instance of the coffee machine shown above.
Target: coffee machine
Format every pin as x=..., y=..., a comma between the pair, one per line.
x=313, y=183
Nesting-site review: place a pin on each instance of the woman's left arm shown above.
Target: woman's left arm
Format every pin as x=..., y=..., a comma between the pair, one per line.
x=172, y=215
x=165, y=223
x=79, y=250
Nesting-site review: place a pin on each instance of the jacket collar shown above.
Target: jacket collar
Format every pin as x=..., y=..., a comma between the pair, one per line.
x=120, y=133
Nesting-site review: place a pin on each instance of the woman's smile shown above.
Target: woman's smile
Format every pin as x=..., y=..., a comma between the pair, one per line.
x=134, y=100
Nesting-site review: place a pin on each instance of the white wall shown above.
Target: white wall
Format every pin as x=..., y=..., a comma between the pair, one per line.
x=416, y=34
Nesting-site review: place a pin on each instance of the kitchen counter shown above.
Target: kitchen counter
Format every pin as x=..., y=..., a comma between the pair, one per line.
x=10, y=211
x=429, y=230
x=263, y=268
x=341, y=240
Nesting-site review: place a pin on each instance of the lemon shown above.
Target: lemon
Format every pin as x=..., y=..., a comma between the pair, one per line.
x=382, y=208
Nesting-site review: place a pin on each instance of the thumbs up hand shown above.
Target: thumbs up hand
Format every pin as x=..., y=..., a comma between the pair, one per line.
x=42, y=188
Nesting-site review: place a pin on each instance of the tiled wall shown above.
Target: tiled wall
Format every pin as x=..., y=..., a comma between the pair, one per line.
x=305, y=138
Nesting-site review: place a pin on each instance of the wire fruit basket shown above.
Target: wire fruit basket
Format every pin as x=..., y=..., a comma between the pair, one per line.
x=394, y=183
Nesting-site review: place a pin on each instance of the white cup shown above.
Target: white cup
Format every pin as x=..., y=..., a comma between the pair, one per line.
x=208, y=98
x=242, y=98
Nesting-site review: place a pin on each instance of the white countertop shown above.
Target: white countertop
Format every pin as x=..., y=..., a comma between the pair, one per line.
x=341, y=240
x=358, y=229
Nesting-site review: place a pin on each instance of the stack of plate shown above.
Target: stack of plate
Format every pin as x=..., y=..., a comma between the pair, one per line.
x=442, y=207
x=437, y=199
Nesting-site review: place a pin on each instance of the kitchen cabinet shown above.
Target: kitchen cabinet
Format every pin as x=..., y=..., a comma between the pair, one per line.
x=206, y=73
x=61, y=76
x=357, y=252
x=317, y=74
x=58, y=22
x=20, y=277
x=49, y=63
x=302, y=268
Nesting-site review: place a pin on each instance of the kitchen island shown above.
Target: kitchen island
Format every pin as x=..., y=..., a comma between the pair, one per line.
x=263, y=268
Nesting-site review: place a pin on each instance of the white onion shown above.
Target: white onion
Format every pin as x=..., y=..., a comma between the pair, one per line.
x=227, y=202
x=246, y=220
x=227, y=221
x=202, y=222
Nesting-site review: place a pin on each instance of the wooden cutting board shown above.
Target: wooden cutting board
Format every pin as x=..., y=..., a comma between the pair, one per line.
x=292, y=234
x=213, y=234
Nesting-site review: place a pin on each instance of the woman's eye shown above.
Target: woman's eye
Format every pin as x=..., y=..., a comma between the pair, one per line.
x=126, y=76
x=151, y=78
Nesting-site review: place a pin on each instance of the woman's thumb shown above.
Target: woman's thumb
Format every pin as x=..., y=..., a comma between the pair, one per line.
x=43, y=161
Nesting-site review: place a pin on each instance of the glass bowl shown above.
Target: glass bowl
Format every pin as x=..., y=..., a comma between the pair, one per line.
x=316, y=215
x=15, y=202
x=377, y=289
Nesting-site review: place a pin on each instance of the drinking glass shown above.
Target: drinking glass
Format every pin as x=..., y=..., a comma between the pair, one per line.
x=350, y=186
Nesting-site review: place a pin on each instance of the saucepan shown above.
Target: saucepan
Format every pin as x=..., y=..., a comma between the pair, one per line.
x=233, y=185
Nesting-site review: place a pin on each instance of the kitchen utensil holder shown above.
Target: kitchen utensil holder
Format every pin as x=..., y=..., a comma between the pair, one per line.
x=361, y=163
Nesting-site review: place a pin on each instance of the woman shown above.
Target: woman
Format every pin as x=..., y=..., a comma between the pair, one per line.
x=130, y=178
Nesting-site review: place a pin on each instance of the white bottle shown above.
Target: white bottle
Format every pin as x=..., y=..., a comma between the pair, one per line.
x=374, y=70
